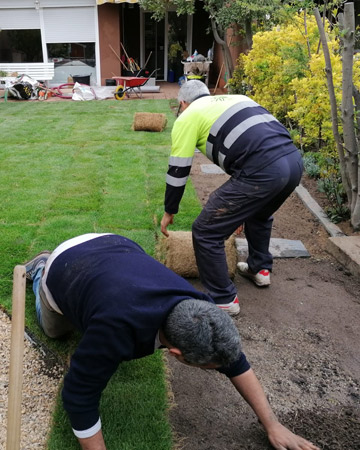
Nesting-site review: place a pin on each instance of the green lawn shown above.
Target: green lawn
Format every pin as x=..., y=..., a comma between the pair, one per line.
x=68, y=168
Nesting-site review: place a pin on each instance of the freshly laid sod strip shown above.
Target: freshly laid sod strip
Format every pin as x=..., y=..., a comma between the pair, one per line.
x=133, y=410
x=69, y=168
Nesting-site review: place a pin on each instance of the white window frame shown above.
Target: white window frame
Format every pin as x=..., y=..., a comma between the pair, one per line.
x=40, y=5
x=189, y=37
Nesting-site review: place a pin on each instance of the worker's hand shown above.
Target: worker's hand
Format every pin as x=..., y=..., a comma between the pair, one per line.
x=283, y=439
x=168, y=219
x=239, y=229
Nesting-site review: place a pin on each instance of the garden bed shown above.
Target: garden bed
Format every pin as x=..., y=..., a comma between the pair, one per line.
x=301, y=336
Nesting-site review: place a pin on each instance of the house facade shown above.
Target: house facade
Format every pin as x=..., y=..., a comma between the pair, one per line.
x=97, y=38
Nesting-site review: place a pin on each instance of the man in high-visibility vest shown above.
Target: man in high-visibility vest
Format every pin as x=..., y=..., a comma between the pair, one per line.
x=252, y=146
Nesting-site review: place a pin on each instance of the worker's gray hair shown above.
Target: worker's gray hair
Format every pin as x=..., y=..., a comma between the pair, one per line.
x=204, y=333
x=191, y=90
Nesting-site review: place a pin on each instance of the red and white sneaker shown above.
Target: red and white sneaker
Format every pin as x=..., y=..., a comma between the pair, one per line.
x=262, y=278
x=233, y=308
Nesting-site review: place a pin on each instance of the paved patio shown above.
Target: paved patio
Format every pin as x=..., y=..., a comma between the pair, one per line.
x=167, y=91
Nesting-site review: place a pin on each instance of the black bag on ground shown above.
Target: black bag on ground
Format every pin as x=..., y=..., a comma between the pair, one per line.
x=21, y=90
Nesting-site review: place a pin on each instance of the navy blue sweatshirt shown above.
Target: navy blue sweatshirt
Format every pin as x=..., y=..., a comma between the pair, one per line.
x=118, y=297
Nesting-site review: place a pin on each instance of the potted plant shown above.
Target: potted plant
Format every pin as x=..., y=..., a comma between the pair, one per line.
x=5, y=79
x=175, y=56
x=3, y=75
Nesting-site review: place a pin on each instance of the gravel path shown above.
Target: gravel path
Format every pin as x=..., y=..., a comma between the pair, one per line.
x=40, y=387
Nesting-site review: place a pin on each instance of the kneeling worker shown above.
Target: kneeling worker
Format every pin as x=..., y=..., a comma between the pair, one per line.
x=127, y=305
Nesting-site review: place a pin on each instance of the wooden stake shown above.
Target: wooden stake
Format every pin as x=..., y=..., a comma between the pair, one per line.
x=217, y=82
x=118, y=57
x=16, y=359
x=127, y=56
x=221, y=68
x=146, y=63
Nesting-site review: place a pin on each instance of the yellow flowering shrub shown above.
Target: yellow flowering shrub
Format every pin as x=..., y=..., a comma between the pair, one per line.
x=277, y=57
x=280, y=75
x=311, y=109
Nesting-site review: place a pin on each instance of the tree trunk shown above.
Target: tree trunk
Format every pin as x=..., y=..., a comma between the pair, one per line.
x=306, y=34
x=347, y=108
x=248, y=33
x=324, y=18
x=335, y=124
x=356, y=95
x=355, y=219
x=228, y=63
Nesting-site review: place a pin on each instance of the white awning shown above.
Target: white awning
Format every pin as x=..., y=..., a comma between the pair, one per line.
x=101, y=2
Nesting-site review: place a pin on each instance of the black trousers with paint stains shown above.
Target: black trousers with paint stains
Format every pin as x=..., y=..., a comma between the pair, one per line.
x=249, y=200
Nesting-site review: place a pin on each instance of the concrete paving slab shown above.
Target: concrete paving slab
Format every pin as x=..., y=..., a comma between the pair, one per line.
x=346, y=250
x=211, y=168
x=279, y=248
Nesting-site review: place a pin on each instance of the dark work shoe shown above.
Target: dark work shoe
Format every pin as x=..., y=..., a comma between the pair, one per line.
x=34, y=264
x=233, y=308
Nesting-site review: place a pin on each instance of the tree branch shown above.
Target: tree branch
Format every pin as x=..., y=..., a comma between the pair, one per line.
x=333, y=105
x=347, y=107
x=229, y=66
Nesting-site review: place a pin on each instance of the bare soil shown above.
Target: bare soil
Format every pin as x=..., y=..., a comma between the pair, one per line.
x=301, y=336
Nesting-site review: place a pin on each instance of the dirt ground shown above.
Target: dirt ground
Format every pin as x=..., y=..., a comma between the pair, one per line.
x=301, y=336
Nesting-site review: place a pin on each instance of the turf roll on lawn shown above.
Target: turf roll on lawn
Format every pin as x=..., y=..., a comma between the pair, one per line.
x=177, y=253
x=149, y=121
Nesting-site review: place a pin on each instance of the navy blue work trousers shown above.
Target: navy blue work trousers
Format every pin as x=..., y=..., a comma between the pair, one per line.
x=249, y=200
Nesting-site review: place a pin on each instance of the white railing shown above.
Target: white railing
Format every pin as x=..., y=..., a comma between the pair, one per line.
x=38, y=71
